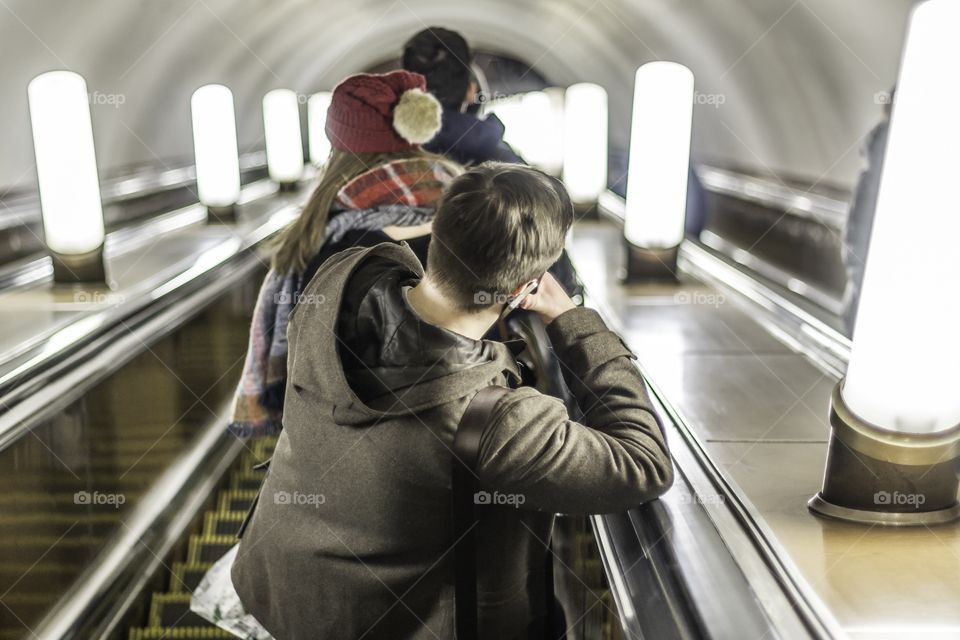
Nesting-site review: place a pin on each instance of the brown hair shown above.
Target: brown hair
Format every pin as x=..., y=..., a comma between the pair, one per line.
x=298, y=243
x=498, y=226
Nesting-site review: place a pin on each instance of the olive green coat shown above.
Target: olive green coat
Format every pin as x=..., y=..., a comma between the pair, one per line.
x=352, y=536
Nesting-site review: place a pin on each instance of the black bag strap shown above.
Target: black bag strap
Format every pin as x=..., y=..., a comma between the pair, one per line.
x=466, y=450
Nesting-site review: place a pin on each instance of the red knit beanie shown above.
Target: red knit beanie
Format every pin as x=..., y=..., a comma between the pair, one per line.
x=380, y=113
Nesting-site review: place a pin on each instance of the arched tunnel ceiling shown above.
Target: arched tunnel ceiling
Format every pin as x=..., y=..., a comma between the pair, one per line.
x=798, y=78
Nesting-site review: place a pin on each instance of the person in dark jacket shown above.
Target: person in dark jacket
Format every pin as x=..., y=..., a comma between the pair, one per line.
x=443, y=57
x=351, y=535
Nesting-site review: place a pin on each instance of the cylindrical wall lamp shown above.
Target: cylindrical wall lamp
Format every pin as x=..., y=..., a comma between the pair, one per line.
x=553, y=162
x=543, y=124
x=215, y=151
x=317, y=140
x=895, y=440
x=67, y=175
x=658, y=167
x=585, y=142
x=281, y=128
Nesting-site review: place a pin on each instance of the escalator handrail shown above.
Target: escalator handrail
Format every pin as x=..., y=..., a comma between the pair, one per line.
x=822, y=343
x=121, y=188
x=60, y=356
x=801, y=597
x=98, y=599
x=38, y=268
x=774, y=194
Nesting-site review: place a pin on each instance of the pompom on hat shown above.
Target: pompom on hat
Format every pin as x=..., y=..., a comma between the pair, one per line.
x=382, y=113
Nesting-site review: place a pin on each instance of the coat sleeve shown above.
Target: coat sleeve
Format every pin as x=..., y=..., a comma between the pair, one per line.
x=615, y=459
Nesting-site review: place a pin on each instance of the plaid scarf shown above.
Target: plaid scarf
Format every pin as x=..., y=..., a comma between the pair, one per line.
x=412, y=182
x=258, y=401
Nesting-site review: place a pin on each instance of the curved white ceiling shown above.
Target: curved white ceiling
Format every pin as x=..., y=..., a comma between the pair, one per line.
x=797, y=77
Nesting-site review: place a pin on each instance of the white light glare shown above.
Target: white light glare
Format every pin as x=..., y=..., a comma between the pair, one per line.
x=66, y=163
x=585, y=141
x=317, y=140
x=659, y=155
x=281, y=127
x=215, y=146
x=905, y=362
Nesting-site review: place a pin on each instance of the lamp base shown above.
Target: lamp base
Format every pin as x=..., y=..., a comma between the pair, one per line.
x=877, y=476
x=222, y=215
x=79, y=268
x=650, y=265
x=288, y=187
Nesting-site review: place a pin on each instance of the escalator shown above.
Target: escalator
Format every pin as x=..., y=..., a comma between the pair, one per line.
x=169, y=614
x=121, y=485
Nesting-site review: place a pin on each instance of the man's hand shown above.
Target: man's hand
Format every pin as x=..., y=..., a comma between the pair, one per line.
x=549, y=301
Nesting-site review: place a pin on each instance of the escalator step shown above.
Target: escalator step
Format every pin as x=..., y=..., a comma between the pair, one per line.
x=173, y=610
x=223, y=523
x=65, y=501
x=187, y=576
x=97, y=524
x=246, y=479
x=42, y=576
x=179, y=633
x=236, y=500
x=209, y=548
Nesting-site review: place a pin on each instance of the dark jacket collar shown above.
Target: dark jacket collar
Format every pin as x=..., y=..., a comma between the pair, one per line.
x=355, y=341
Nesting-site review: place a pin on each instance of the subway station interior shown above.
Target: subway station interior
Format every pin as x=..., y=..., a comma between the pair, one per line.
x=765, y=212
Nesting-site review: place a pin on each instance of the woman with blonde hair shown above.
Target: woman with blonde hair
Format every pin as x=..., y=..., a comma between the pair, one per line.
x=377, y=185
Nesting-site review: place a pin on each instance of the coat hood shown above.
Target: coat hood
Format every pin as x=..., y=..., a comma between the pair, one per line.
x=357, y=343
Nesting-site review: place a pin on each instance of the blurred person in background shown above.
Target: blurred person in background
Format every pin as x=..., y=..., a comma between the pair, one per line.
x=443, y=57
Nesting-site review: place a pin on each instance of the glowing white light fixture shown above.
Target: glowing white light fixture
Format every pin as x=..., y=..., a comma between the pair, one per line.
x=215, y=150
x=585, y=142
x=553, y=153
x=543, y=128
x=281, y=127
x=509, y=111
x=659, y=164
x=67, y=175
x=659, y=155
x=896, y=416
x=317, y=140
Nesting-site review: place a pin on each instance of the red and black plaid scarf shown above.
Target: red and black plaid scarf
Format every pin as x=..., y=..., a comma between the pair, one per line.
x=416, y=182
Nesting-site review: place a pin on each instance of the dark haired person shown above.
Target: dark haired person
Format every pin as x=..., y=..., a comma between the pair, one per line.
x=443, y=57
x=352, y=533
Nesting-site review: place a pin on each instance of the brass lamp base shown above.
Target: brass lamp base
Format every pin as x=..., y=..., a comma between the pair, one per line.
x=79, y=268
x=222, y=215
x=650, y=265
x=877, y=476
